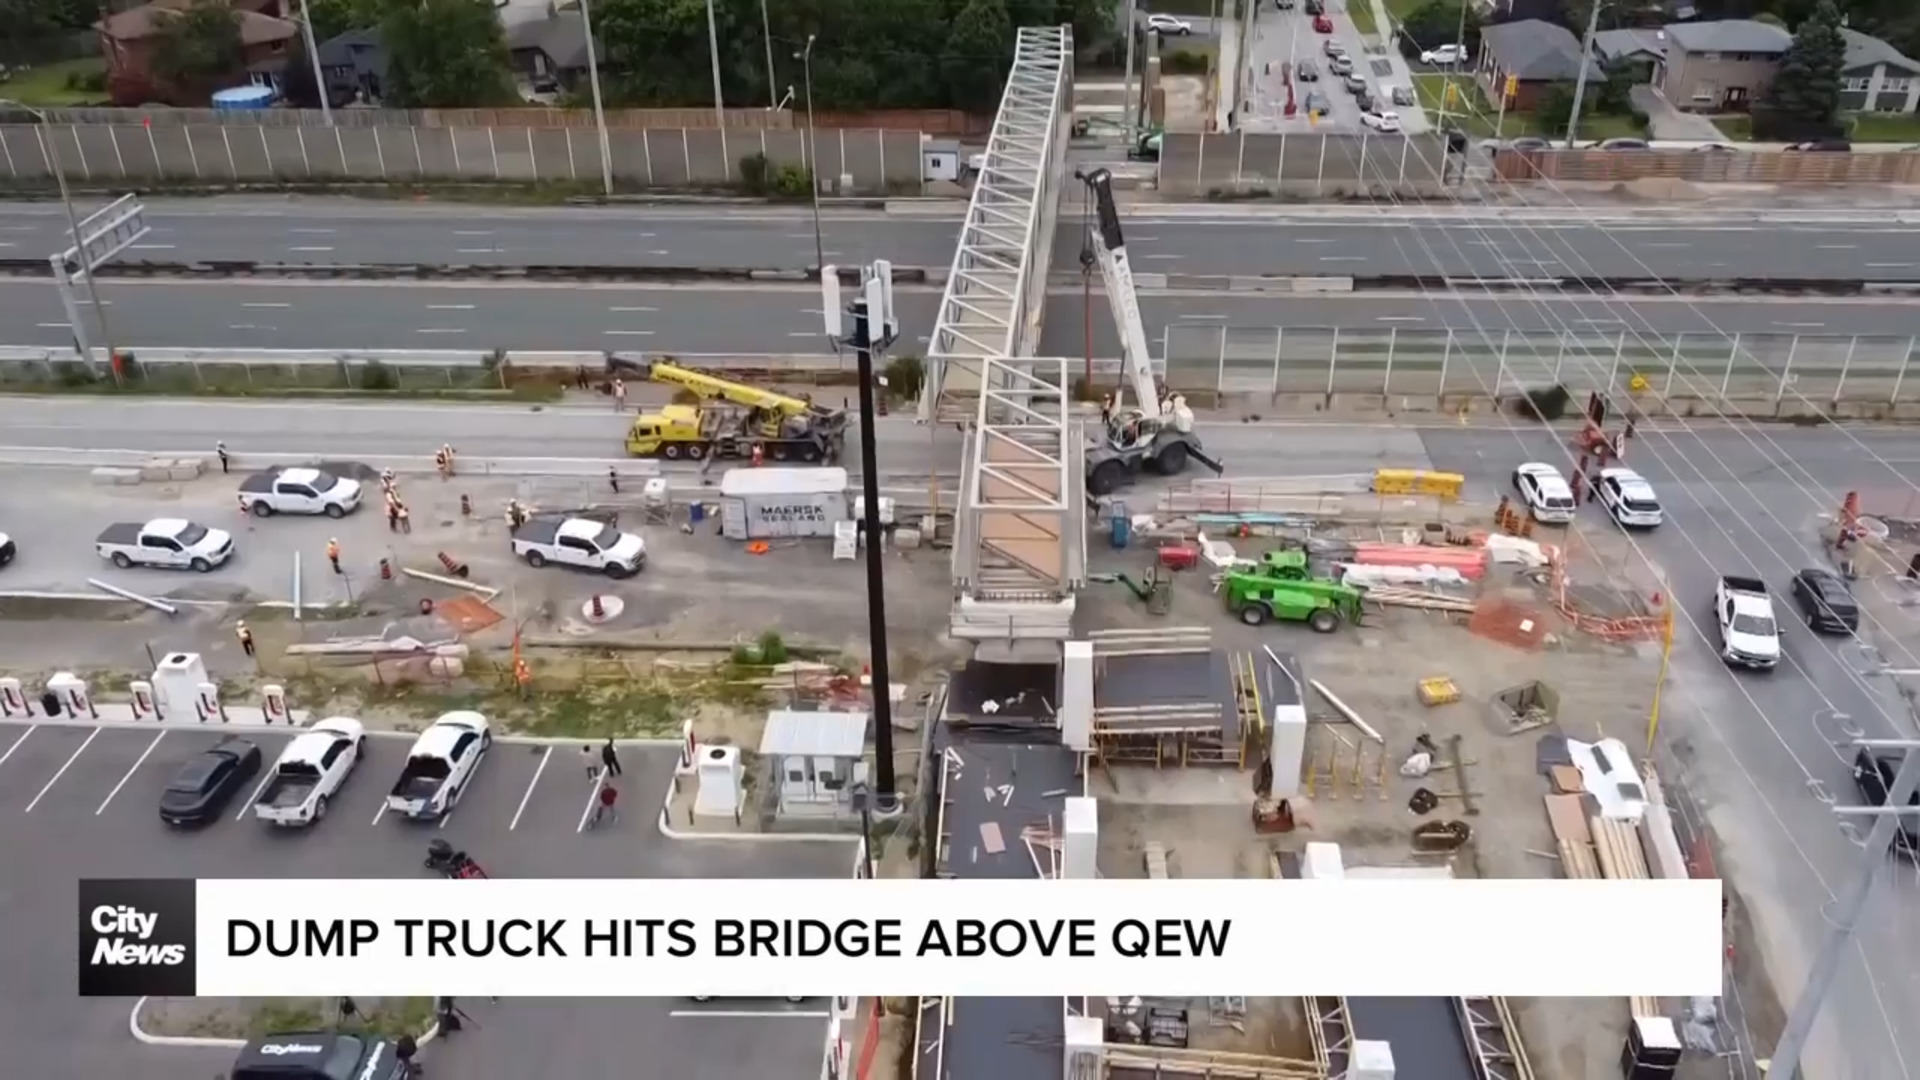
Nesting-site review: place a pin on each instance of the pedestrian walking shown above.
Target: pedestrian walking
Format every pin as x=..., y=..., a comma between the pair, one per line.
x=613, y=479
x=245, y=633
x=333, y=555
x=609, y=757
x=619, y=395
x=590, y=761
x=226, y=459
x=603, y=806
x=406, y=519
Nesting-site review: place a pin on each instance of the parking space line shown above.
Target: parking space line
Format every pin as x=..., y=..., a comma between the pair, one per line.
x=81, y=749
x=593, y=796
x=16, y=744
x=734, y=1014
x=538, y=769
x=380, y=813
x=255, y=796
x=131, y=769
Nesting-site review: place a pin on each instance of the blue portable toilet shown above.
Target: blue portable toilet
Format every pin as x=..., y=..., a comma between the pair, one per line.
x=1120, y=524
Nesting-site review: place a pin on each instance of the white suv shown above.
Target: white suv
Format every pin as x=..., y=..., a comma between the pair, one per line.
x=1383, y=120
x=1167, y=24
x=1444, y=56
x=1629, y=498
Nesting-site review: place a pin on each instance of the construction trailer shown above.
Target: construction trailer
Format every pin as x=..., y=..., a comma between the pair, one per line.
x=732, y=420
x=1168, y=697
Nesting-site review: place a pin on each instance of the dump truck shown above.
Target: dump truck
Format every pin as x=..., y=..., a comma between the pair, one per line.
x=731, y=420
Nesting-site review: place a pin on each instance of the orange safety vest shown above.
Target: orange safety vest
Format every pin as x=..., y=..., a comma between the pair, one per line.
x=333, y=550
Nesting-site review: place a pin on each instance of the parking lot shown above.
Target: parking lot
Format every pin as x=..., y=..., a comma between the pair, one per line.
x=1283, y=41
x=79, y=802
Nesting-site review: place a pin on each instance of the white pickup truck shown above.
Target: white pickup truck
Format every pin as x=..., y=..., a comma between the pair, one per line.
x=6, y=549
x=440, y=766
x=299, y=491
x=1749, y=635
x=310, y=772
x=167, y=543
x=580, y=542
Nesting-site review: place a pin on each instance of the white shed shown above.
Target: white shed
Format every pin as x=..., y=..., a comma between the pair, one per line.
x=816, y=758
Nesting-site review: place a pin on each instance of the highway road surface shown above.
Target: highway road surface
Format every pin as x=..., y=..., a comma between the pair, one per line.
x=786, y=319
x=1344, y=242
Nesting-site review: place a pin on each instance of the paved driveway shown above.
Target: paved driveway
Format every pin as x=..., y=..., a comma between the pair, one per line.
x=78, y=802
x=1669, y=123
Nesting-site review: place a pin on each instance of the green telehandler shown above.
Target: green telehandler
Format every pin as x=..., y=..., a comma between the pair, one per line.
x=1323, y=605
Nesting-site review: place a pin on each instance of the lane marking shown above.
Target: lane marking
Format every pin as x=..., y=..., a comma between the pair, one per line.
x=473, y=232
x=1401, y=318
x=593, y=797
x=309, y=249
x=619, y=308
x=1839, y=247
x=5, y=244
x=542, y=767
x=380, y=813
x=265, y=305
x=151, y=247
x=250, y=326
x=54, y=326
x=440, y=330
x=1163, y=256
x=629, y=333
x=1802, y=325
x=313, y=232
x=257, y=789
x=449, y=307
x=1343, y=258
x=17, y=742
x=1888, y=266
x=1325, y=240
x=81, y=749
x=664, y=251
x=134, y=768
x=481, y=251
x=745, y=1014
x=805, y=333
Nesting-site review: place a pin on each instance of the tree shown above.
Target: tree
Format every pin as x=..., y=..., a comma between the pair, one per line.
x=1614, y=95
x=1804, y=100
x=1553, y=109
x=445, y=54
x=196, y=49
x=1440, y=22
x=331, y=18
x=978, y=54
x=298, y=87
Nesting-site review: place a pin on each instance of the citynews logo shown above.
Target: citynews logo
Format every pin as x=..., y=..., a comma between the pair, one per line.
x=136, y=938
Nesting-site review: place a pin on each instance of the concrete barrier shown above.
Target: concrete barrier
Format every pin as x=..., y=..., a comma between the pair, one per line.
x=224, y=269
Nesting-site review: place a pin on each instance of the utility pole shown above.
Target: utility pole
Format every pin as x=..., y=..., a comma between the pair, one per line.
x=1586, y=62
x=766, y=37
x=599, y=111
x=874, y=329
x=713, y=54
x=313, y=57
x=1785, y=1063
x=813, y=155
x=1126, y=92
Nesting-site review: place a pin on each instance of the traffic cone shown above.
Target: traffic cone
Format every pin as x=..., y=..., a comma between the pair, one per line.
x=386, y=570
x=457, y=569
x=599, y=610
x=466, y=506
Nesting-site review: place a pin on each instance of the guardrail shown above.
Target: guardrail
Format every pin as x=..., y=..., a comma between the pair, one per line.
x=249, y=268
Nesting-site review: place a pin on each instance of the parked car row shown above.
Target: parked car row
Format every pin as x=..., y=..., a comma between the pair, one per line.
x=1625, y=495
x=313, y=768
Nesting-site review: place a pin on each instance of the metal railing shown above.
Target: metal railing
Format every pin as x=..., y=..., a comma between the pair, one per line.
x=1419, y=363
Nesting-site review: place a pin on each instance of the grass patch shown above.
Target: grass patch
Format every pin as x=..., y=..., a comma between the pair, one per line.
x=1470, y=111
x=1736, y=128
x=1191, y=8
x=491, y=381
x=58, y=85
x=1398, y=10
x=1361, y=12
x=1884, y=128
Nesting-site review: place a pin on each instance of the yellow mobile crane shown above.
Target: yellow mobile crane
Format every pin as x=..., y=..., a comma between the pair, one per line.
x=785, y=428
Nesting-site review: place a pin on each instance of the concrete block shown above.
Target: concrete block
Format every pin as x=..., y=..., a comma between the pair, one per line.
x=157, y=469
x=109, y=475
x=188, y=468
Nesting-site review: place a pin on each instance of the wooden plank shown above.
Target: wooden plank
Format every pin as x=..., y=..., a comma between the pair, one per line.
x=1567, y=815
x=1566, y=780
x=991, y=839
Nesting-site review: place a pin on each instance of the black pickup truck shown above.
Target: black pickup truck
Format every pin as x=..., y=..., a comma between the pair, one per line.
x=318, y=1055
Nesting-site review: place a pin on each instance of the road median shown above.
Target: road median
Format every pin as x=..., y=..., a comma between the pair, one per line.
x=242, y=269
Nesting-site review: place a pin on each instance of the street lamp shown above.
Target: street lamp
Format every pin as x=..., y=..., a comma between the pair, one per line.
x=79, y=241
x=766, y=38
x=599, y=113
x=713, y=52
x=313, y=57
x=805, y=56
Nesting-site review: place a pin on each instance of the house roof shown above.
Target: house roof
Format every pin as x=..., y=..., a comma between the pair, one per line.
x=562, y=35
x=1729, y=35
x=1867, y=51
x=1617, y=43
x=352, y=48
x=145, y=21
x=1532, y=50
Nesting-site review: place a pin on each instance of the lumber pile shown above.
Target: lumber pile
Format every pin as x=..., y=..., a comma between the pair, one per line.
x=1617, y=845
x=1421, y=599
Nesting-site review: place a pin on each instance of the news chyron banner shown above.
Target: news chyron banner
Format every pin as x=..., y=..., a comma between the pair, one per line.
x=896, y=938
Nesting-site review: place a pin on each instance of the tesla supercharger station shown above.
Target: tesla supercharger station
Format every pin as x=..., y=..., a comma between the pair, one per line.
x=273, y=703
x=145, y=706
x=13, y=699
x=206, y=703
x=71, y=689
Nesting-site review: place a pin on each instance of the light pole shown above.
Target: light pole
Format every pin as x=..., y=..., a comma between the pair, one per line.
x=79, y=242
x=713, y=53
x=1580, y=84
x=766, y=38
x=599, y=112
x=313, y=57
x=805, y=56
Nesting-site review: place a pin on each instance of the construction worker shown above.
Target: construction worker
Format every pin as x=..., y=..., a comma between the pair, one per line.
x=387, y=485
x=406, y=519
x=758, y=456
x=452, y=465
x=613, y=479
x=226, y=459
x=442, y=464
x=333, y=555
x=245, y=633
x=393, y=514
x=619, y=394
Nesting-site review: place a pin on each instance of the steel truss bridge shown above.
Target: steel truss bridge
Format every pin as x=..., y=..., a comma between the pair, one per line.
x=1019, y=553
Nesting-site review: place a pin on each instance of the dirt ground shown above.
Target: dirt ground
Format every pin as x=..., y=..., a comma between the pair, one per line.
x=1353, y=793
x=243, y=1018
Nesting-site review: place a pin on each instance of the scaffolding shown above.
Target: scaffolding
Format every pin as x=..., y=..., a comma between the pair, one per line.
x=1220, y=725
x=1493, y=1038
x=1332, y=1035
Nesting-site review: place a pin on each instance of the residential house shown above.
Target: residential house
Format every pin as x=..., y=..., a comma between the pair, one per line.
x=1639, y=51
x=550, y=54
x=1533, y=54
x=1720, y=66
x=1875, y=77
x=354, y=65
x=127, y=41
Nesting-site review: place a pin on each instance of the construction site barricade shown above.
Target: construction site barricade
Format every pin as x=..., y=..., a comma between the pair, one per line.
x=1418, y=482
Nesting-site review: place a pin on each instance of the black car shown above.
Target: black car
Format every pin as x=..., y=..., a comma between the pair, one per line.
x=1826, y=600
x=1824, y=146
x=1306, y=72
x=208, y=782
x=1873, y=774
x=1316, y=7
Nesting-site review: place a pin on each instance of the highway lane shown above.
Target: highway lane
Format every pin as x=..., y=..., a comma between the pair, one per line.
x=1343, y=242
x=1757, y=748
x=786, y=319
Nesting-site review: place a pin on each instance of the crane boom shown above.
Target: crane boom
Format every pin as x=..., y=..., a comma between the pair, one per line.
x=708, y=385
x=1110, y=250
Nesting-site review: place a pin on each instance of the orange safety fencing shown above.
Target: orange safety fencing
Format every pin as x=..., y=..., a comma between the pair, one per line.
x=870, y=1045
x=1618, y=629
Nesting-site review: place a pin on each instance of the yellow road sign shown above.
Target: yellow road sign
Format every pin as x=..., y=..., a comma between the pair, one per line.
x=1513, y=85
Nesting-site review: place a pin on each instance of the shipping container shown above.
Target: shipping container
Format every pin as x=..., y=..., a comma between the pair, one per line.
x=760, y=504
